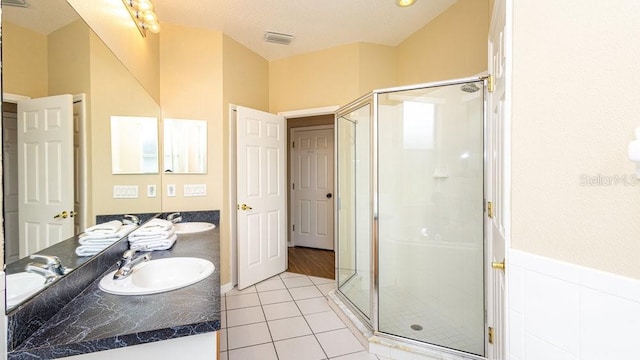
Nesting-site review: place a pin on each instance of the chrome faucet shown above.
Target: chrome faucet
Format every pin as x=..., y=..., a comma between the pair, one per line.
x=51, y=271
x=174, y=217
x=128, y=261
x=131, y=219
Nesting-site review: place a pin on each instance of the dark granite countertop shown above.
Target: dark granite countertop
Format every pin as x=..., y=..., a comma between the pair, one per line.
x=96, y=320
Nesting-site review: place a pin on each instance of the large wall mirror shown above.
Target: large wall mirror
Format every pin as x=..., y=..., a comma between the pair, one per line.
x=47, y=51
x=185, y=146
x=134, y=145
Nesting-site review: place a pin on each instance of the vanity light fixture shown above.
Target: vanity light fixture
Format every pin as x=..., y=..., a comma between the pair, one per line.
x=143, y=16
x=405, y=3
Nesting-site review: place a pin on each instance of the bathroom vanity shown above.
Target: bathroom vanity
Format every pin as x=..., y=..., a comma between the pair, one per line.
x=98, y=325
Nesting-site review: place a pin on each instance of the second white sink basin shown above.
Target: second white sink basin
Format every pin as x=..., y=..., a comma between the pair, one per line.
x=158, y=276
x=21, y=286
x=192, y=227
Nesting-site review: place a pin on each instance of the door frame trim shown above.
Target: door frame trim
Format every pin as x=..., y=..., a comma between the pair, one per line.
x=231, y=206
x=292, y=132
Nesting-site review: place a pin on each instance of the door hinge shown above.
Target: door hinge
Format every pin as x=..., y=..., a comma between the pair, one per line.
x=293, y=186
x=294, y=227
x=490, y=333
x=490, y=209
x=490, y=83
x=293, y=144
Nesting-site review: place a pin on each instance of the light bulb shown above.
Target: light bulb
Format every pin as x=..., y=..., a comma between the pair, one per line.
x=153, y=27
x=404, y=3
x=143, y=5
x=148, y=16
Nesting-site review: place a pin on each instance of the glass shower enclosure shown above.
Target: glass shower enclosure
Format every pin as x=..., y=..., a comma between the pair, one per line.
x=409, y=219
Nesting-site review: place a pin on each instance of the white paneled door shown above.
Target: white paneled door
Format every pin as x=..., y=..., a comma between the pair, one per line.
x=261, y=195
x=497, y=192
x=312, y=188
x=45, y=167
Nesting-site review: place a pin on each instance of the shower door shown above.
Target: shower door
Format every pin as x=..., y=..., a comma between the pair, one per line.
x=353, y=215
x=430, y=215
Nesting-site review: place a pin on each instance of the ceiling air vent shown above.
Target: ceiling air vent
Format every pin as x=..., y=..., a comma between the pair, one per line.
x=283, y=39
x=20, y=3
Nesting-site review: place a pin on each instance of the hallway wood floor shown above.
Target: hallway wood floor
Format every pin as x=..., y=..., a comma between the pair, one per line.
x=313, y=262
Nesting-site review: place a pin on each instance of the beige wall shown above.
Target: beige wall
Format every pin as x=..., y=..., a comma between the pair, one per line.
x=453, y=45
x=115, y=92
x=377, y=68
x=245, y=83
x=191, y=88
x=24, y=61
x=114, y=26
x=575, y=108
x=68, y=60
x=322, y=78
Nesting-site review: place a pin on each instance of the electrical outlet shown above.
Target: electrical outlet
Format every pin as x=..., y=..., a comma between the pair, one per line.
x=171, y=190
x=151, y=191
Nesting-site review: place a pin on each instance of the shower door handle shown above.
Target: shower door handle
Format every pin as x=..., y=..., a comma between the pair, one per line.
x=498, y=265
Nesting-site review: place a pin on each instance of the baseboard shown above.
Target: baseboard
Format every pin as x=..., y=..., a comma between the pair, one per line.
x=226, y=288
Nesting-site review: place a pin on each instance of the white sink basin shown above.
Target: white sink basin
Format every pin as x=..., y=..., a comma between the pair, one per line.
x=158, y=276
x=192, y=227
x=21, y=286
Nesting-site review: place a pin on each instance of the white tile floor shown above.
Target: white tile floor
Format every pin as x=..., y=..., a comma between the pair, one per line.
x=286, y=317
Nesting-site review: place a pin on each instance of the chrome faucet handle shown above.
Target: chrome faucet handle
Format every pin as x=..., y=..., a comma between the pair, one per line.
x=128, y=262
x=53, y=263
x=131, y=219
x=174, y=217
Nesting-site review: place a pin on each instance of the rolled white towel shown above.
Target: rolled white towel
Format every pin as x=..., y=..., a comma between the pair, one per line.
x=122, y=232
x=136, y=235
x=89, y=250
x=109, y=227
x=151, y=245
x=154, y=226
x=151, y=237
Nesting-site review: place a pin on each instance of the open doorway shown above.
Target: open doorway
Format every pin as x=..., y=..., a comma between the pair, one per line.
x=310, y=193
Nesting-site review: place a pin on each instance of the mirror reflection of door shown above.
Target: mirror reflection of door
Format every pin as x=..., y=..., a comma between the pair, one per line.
x=10, y=183
x=45, y=167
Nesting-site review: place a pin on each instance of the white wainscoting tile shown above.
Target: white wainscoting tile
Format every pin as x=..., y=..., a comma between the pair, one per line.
x=610, y=326
x=551, y=311
x=613, y=284
x=516, y=338
x=538, y=349
x=559, y=310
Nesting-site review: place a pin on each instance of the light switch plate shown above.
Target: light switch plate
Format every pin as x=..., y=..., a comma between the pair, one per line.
x=125, y=191
x=191, y=190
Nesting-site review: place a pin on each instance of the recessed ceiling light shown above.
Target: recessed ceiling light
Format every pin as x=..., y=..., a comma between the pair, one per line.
x=405, y=3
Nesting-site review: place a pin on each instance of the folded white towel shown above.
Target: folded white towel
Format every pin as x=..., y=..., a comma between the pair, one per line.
x=161, y=235
x=151, y=245
x=104, y=228
x=154, y=226
x=90, y=250
x=122, y=232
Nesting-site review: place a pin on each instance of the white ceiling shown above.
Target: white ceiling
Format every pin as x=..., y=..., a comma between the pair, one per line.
x=315, y=24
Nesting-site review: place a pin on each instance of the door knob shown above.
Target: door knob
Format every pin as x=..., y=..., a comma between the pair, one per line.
x=245, y=207
x=498, y=265
x=329, y=196
x=63, y=215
